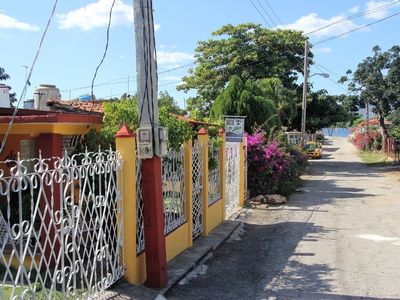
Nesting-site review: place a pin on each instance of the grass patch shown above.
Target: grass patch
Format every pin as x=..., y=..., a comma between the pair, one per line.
x=7, y=291
x=374, y=158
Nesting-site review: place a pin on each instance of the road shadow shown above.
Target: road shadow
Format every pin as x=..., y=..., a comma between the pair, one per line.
x=241, y=269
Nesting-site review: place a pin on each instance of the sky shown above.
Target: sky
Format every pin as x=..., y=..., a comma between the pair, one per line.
x=75, y=41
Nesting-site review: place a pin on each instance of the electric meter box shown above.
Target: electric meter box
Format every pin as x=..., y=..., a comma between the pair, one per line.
x=144, y=137
x=161, y=141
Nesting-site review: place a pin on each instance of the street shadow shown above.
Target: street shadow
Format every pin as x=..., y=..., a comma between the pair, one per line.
x=352, y=169
x=290, y=294
x=242, y=268
x=330, y=149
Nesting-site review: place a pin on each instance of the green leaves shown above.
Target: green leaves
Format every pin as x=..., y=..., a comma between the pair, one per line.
x=246, y=99
x=249, y=51
x=178, y=131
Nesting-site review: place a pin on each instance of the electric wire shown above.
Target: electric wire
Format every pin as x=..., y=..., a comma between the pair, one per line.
x=105, y=49
x=358, y=28
x=367, y=12
x=27, y=82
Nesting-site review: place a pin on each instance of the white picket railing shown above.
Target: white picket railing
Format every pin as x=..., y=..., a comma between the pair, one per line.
x=61, y=227
x=232, y=152
x=214, y=175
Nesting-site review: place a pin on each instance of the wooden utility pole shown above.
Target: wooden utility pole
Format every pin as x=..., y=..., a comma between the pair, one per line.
x=153, y=210
x=304, y=102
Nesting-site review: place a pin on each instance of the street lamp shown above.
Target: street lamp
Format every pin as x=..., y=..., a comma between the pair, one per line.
x=304, y=104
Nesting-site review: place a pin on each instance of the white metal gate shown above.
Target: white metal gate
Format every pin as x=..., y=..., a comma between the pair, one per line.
x=232, y=154
x=197, y=173
x=61, y=233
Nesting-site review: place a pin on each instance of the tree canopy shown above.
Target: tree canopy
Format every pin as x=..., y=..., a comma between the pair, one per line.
x=324, y=110
x=247, y=50
x=246, y=98
x=377, y=81
x=167, y=101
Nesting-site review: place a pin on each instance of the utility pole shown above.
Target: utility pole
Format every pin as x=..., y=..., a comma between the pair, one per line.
x=148, y=139
x=26, y=76
x=304, y=102
x=127, y=94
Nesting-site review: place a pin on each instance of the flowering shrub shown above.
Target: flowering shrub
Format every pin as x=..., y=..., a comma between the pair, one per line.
x=271, y=169
x=362, y=141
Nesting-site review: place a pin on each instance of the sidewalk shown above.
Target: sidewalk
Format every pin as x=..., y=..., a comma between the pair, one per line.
x=177, y=268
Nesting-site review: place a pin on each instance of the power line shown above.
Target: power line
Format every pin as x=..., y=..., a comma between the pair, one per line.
x=367, y=12
x=262, y=16
x=105, y=49
x=27, y=81
x=291, y=48
x=356, y=29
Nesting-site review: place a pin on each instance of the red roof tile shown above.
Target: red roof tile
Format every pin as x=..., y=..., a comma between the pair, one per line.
x=83, y=106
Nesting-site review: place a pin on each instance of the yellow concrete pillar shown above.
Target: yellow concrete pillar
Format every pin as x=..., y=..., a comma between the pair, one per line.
x=242, y=148
x=222, y=160
x=189, y=189
x=125, y=144
x=203, y=141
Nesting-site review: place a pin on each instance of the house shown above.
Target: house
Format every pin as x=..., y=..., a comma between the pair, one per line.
x=52, y=132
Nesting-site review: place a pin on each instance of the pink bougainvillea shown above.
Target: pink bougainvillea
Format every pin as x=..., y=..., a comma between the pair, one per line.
x=272, y=169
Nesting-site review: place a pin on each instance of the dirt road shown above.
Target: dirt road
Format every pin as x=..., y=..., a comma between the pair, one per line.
x=337, y=238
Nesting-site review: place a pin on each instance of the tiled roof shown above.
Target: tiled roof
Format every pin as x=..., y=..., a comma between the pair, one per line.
x=93, y=107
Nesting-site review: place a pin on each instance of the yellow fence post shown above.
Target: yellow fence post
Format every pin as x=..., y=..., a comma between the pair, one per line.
x=241, y=173
x=202, y=136
x=222, y=160
x=125, y=144
x=189, y=188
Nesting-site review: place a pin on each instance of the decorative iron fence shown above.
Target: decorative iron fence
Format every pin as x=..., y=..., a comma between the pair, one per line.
x=232, y=153
x=214, y=175
x=173, y=181
x=197, y=174
x=140, y=243
x=61, y=227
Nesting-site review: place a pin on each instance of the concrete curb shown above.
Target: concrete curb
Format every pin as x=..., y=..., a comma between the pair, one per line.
x=178, y=267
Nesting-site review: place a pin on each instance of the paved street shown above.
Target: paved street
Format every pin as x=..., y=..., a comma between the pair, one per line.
x=337, y=238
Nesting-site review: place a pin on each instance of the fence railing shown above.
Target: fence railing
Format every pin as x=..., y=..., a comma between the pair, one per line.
x=393, y=149
x=60, y=226
x=140, y=243
x=173, y=185
x=214, y=175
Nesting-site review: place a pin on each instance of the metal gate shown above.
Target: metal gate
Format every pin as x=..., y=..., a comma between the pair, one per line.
x=61, y=227
x=197, y=173
x=232, y=154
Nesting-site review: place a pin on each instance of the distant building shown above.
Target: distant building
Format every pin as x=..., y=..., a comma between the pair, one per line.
x=4, y=95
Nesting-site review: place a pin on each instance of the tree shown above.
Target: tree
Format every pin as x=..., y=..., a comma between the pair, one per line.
x=247, y=50
x=167, y=101
x=325, y=110
x=4, y=76
x=246, y=99
x=283, y=98
x=377, y=81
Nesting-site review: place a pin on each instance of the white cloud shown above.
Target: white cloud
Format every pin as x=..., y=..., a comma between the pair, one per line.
x=95, y=15
x=354, y=9
x=382, y=12
x=164, y=57
x=323, y=50
x=7, y=22
x=312, y=22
